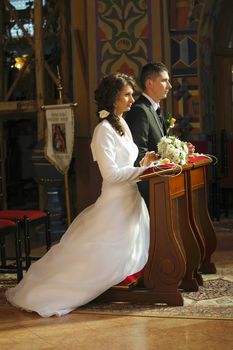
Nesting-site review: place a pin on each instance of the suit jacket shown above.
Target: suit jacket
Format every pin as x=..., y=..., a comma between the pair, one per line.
x=145, y=125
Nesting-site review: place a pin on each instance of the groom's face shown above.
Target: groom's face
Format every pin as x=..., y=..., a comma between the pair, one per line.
x=158, y=86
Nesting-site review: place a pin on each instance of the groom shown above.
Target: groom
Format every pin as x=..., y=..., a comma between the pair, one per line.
x=144, y=119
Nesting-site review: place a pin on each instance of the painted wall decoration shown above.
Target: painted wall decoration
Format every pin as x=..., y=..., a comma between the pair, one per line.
x=186, y=106
x=183, y=41
x=123, y=36
x=193, y=70
x=184, y=53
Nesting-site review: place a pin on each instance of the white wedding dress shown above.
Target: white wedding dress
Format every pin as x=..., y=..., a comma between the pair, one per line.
x=107, y=242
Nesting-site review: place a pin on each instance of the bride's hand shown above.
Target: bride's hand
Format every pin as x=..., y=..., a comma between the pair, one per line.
x=191, y=148
x=149, y=159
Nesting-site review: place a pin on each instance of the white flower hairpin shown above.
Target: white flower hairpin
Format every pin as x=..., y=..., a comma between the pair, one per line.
x=103, y=113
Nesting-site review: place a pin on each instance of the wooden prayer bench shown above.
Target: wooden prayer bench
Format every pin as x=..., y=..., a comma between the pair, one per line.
x=182, y=238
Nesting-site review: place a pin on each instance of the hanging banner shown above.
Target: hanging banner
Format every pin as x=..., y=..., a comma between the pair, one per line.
x=59, y=135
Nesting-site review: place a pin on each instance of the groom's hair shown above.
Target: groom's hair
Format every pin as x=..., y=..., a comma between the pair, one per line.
x=151, y=69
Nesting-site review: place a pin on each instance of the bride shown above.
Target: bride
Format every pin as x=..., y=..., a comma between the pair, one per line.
x=109, y=240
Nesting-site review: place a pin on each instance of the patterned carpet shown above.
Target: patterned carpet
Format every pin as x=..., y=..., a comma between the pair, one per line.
x=214, y=300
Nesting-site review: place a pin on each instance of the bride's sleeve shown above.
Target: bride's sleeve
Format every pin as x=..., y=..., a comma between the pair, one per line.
x=104, y=152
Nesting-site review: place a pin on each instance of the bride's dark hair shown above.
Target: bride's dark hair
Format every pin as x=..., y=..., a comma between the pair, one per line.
x=106, y=96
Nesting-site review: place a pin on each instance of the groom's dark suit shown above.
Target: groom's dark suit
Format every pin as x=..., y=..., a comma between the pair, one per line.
x=147, y=128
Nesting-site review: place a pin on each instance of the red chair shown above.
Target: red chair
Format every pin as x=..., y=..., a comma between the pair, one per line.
x=8, y=227
x=26, y=218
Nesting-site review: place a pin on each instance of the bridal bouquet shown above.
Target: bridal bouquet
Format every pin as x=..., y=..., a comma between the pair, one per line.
x=172, y=149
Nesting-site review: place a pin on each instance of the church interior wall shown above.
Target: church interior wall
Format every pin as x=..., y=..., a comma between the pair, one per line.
x=125, y=36
x=108, y=36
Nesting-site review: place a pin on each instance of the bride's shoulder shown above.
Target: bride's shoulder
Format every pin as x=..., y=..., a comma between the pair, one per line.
x=103, y=127
x=103, y=130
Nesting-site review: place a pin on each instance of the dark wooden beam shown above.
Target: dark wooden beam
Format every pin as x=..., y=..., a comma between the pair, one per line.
x=39, y=68
x=18, y=106
x=65, y=64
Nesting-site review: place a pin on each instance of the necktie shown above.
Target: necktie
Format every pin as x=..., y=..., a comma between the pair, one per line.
x=158, y=111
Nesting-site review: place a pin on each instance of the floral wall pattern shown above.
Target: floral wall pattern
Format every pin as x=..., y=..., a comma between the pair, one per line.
x=123, y=36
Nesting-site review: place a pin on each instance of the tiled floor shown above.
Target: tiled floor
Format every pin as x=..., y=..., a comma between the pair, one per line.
x=22, y=330
x=26, y=331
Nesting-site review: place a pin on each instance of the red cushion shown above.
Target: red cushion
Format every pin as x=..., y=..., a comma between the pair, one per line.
x=155, y=168
x=195, y=159
x=131, y=280
x=6, y=223
x=19, y=214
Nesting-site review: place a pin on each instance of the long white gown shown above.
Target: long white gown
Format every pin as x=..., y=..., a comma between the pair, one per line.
x=107, y=242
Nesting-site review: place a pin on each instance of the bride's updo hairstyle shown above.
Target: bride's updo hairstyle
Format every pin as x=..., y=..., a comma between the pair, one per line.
x=106, y=96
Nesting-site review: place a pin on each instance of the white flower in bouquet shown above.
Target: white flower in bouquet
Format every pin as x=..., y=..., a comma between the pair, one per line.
x=177, y=143
x=174, y=149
